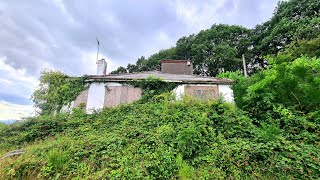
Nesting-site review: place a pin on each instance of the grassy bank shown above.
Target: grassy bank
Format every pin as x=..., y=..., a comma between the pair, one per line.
x=162, y=139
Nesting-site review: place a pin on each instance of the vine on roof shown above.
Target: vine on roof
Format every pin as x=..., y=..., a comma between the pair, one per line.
x=152, y=86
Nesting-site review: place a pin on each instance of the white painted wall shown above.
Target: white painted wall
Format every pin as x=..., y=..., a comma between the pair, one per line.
x=95, y=96
x=101, y=67
x=226, y=92
x=179, y=92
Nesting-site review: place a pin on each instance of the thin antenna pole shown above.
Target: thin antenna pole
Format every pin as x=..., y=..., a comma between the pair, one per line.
x=244, y=66
x=98, y=49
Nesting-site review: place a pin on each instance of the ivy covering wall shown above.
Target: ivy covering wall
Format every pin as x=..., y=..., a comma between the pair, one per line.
x=56, y=90
x=152, y=86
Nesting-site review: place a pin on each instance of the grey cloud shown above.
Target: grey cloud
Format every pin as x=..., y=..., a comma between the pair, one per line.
x=36, y=34
x=248, y=12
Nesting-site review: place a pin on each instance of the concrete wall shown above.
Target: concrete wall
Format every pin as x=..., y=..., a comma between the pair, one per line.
x=226, y=92
x=101, y=67
x=81, y=99
x=205, y=91
x=101, y=95
x=177, y=67
x=202, y=91
x=179, y=91
x=95, y=96
x=120, y=94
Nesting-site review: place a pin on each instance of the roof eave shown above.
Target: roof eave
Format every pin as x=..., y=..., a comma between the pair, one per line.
x=103, y=79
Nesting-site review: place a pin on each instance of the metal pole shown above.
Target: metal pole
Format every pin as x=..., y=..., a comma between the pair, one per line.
x=244, y=66
x=98, y=49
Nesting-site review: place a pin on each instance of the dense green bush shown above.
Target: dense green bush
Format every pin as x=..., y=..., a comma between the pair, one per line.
x=293, y=84
x=164, y=139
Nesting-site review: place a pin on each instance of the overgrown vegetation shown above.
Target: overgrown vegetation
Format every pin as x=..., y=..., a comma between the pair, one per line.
x=152, y=86
x=271, y=132
x=56, y=90
x=187, y=139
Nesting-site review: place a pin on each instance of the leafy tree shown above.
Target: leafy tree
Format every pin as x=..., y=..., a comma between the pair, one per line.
x=132, y=68
x=292, y=20
x=183, y=47
x=141, y=64
x=56, y=90
x=296, y=49
x=120, y=70
x=223, y=58
x=153, y=62
x=219, y=47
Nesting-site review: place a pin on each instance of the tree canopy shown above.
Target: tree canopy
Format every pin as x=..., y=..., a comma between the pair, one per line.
x=220, y=48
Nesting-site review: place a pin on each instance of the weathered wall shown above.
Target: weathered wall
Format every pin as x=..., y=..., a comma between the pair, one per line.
x=179, y=91
x=101, y=95
x=176, y=67
x=226, y=92
x=95, y=96
x=115, y=95
x=101, y=67
x=202, y=91
x=81, y=99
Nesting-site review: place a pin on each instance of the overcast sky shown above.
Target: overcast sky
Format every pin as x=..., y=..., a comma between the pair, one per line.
x=56, y=34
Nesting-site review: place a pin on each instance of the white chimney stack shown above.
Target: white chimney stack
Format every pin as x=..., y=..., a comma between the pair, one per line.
x=101, y=67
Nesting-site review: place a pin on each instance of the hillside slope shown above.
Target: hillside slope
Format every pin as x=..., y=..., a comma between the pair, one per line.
x=161, y=139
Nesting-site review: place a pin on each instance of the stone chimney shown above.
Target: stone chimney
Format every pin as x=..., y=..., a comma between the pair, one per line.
x=101, y=67
x=177, y=67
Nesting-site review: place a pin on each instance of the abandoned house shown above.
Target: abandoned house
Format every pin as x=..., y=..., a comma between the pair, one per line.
x=108, y=90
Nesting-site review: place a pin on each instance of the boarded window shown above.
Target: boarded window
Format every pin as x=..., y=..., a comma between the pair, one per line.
x=202, y=92
x=116, y=95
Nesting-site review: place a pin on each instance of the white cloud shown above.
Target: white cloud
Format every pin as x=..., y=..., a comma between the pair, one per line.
x=60, y=35
x=88, y=60
x=197, y=15
x=15, y=82
x=10, y=111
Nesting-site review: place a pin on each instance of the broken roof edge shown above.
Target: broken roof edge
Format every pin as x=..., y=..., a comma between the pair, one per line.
x=175, y=78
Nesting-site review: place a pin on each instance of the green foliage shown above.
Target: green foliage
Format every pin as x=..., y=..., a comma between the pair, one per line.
x=166, y=139
x=56, y=90
x=239, y=85
x=3, y=126
x=120, y=70
x=185, y=171
x=220, y=48
x=294, y=84
x=296, y=49
x=152, y=86
x=273, y=131
x=292, y=20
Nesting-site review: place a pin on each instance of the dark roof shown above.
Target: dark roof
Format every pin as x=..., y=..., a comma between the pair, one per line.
x=179, y=78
